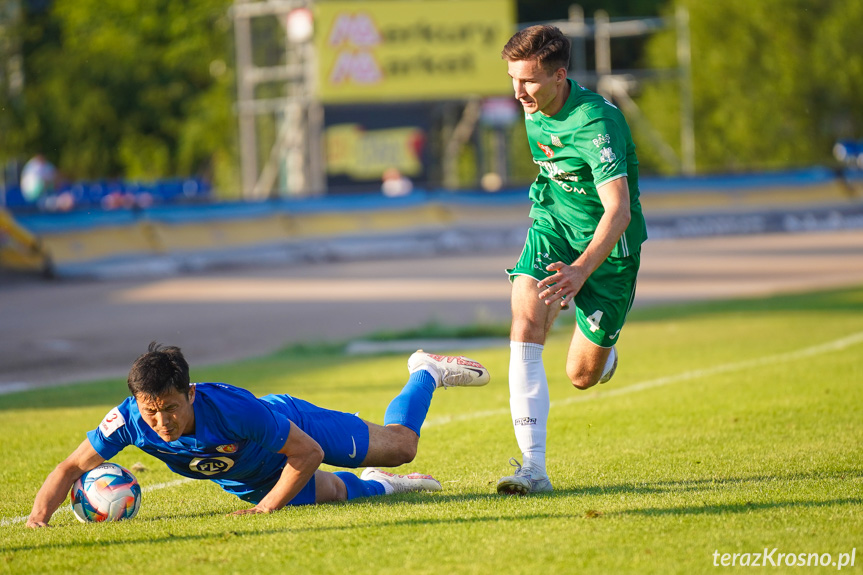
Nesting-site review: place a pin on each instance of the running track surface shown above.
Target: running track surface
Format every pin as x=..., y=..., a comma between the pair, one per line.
x=56, y=332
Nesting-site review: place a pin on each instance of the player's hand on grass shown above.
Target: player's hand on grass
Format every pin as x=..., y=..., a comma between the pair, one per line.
x=32, y=524
x=561, y=286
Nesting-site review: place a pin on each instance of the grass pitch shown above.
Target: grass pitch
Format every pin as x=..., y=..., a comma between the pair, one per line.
x=730, y=428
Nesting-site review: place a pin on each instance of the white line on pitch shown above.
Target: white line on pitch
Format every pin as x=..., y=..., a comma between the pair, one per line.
x=829, y=347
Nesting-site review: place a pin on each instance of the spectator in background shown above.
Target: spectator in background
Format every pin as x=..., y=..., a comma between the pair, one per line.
x=395, y=184
x=38, y=178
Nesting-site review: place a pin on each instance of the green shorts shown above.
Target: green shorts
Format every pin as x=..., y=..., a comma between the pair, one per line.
x=607, y=295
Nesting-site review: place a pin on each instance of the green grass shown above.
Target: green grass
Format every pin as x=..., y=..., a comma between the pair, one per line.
x=729, y=426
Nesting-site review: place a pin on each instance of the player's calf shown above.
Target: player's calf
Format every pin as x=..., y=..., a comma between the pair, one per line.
x=585, y=375
x=390, y=445
x=402, y=447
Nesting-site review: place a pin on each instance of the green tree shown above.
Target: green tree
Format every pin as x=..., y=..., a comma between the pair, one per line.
x=543, y=10
x=128, y=88
x=775, y=82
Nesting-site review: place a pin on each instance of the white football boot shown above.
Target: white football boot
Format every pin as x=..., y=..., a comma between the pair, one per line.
x=449, y=370
x=524, y=481
x=610, y=366
x=401, y=483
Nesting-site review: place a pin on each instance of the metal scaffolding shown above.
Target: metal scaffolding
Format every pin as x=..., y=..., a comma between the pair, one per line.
x=291, y=162
x=297, y=152
x=618, y=86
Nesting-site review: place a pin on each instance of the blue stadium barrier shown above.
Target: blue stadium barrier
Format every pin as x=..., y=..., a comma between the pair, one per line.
x=95, y=194
x=850, y=153
x=190, y=201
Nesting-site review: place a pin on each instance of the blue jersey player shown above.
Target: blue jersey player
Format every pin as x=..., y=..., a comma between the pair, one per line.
x=266, y=450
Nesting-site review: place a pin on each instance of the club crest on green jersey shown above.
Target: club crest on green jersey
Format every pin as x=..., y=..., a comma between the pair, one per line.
x=606, y=155
x=548, y=151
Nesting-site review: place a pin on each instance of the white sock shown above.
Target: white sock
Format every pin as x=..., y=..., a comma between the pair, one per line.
x=529, y=402
x=388, y=488
x=429, y=367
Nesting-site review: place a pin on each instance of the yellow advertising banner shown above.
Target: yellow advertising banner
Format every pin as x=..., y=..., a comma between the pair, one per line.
x=398, y=50
x=365, y=154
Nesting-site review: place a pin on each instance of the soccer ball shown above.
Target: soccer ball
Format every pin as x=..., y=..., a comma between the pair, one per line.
x=108, y=492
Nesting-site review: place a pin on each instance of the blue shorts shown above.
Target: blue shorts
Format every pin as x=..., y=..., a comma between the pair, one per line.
x=344, y=437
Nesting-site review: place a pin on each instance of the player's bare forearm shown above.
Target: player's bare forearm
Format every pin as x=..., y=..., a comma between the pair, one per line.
x=569, y=278
x=611, y=226
x=53, y=492
x=304, y=458
x=51, y=495
x=294, y=477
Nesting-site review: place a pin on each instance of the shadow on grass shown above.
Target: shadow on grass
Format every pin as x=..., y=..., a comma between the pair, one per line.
x=727, y=508
x=636, y=489
x=145, y=539
x=705, y=484
x=520, y=516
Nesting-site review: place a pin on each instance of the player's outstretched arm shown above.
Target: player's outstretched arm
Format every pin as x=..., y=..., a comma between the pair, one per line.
x=304, y=458
x=53, y=492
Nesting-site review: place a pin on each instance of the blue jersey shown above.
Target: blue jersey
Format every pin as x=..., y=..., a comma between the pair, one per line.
x=235, y=444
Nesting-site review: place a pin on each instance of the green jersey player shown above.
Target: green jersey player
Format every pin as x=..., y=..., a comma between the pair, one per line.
x=584, y=244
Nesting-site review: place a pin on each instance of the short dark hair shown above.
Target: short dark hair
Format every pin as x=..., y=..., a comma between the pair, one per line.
x=159, y=371
x=544, y=43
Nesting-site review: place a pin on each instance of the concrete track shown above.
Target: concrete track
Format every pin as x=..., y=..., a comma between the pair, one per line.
x=62, y=331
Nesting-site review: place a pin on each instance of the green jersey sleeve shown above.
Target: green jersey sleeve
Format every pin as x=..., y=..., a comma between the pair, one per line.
x=603, y=145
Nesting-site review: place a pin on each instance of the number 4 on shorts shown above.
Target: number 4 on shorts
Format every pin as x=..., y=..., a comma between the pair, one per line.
x=594, y=319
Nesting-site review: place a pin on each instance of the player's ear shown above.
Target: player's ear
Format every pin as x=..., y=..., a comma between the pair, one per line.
x=191, y=394
x=560, y=75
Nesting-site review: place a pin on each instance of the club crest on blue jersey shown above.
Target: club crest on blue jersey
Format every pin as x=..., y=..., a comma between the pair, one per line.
x=228, y=448
x=211, y=465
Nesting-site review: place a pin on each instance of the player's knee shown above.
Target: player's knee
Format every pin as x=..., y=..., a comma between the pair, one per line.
x=395, y=446
x=582, y=383
x=405, y=447
x=406, y=452
x=527, y=329
x=396, y=455
x=328, y=487
x=580, y=378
